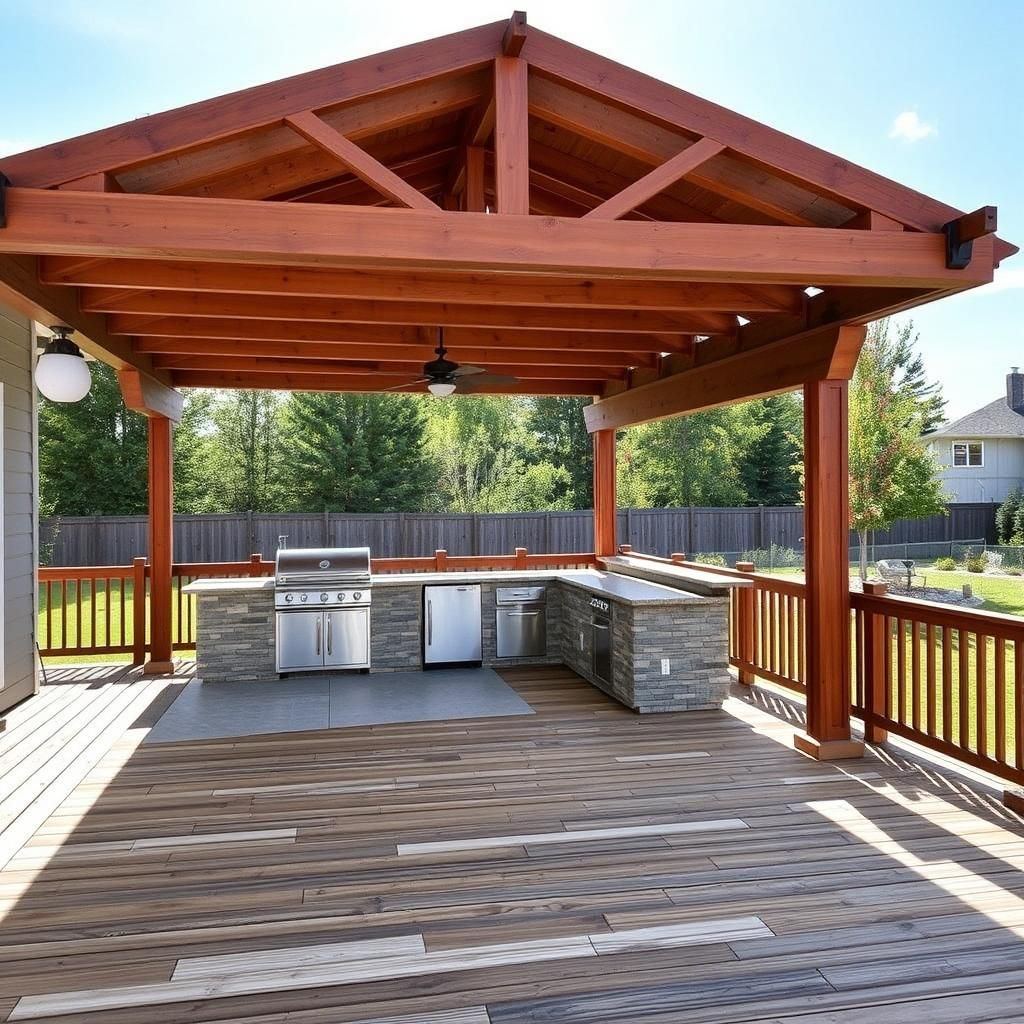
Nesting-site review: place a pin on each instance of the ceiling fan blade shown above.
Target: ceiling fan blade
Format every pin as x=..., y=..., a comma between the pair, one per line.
x=483, y=380
x=468, y=371
x=409, y=384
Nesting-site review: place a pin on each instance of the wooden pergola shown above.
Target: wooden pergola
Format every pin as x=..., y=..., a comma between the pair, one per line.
x=569, y=221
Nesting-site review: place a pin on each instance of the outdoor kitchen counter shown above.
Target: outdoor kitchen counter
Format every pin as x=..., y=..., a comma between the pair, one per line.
x=653, y=626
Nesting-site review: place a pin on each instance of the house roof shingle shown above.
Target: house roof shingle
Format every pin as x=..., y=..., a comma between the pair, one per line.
x=996, y=419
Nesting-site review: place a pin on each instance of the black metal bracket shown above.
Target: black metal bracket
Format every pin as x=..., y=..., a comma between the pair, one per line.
x=958, y=253
x=4, y=185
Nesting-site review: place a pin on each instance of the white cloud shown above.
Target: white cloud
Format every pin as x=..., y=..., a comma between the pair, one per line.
x=909, y=127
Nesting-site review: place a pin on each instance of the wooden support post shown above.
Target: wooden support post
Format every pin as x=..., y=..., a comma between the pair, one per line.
x=876, y=650
x=605, y=511
x=826, y=527
x=161, y=543
x=511, y=136
x=521, y=558
x=745, y=625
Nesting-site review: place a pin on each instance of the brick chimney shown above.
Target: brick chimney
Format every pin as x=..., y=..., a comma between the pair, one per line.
x=1015, y=390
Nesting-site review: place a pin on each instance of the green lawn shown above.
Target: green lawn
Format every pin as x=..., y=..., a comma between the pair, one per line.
x=105, y=618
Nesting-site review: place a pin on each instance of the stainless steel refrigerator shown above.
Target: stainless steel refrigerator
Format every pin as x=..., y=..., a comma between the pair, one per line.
x=451, y=624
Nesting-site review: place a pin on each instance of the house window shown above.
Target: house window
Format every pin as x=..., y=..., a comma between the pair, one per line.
x=968, y=453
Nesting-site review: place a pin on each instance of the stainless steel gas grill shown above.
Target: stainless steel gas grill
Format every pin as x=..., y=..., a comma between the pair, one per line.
x=322, y=602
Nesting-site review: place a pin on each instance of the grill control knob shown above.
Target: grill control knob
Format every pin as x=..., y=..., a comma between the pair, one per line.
x=341, y=597
x=288, y=598
x=357, y=596
x=304, y=598
x=324, y=598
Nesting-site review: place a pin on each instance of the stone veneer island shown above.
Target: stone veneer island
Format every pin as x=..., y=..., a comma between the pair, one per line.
x=650, y=622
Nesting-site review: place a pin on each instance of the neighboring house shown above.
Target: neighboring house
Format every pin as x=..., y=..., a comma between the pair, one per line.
x=982, y=453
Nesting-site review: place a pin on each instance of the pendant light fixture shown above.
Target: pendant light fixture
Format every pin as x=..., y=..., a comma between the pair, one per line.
x=62, y=374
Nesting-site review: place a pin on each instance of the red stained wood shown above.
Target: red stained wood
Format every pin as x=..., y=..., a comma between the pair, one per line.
x=161, y=537
x=826, y=519
x=605, y=506
x=511, y=136
x=657, y=180
x=475, y=165
x=358, y=161
x=79, y=223
x=148, y=396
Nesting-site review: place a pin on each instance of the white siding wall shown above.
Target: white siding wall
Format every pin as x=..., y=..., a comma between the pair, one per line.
x=19, y=510
x=1003, y=469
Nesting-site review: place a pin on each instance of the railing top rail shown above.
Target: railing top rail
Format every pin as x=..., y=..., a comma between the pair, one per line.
x=85, y=572
x=1010, y=627
x=778, y=584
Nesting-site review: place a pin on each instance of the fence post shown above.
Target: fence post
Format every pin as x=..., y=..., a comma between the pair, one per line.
x=745, y=625
x=876, y=650
x=139, y=603
x=250, y=530
x=520, y=558
x=760, y=526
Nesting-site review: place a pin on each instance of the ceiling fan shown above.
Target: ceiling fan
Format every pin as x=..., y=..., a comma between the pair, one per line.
x=443, y=377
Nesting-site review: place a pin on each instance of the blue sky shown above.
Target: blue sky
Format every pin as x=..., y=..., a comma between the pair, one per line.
x=928, y=93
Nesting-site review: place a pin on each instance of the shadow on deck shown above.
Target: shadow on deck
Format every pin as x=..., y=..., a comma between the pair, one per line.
x=582, y=864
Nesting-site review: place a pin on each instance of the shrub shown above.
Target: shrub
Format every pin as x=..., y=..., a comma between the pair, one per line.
x=1014, y=570
x=975, y=563
x=945, y=564
x=710, y=559
x=1008, y=514
x=776, y=556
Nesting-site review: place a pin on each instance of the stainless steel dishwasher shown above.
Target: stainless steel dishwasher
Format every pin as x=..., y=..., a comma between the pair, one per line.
x=522, y=621
x=451, y=625
x=601, y=636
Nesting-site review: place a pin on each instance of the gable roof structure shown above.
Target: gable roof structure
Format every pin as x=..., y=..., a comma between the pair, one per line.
x=568, y=221
x=996, y=419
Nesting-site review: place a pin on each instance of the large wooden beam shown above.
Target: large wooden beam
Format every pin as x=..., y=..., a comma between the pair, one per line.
x=372, y=311
x=161, y=543
x=358, y=161
x=353, y=366
x=264, y=105
x=605, y=504
x=766, y=370
x=152, y=336
x=166, y=350
x=341, y=382
x=511, y=136
x=476, y=201
x=664, y=175
x=144, y=395
x=492, y=289
x=826, y=546
x=51, y=222
x=21, y=289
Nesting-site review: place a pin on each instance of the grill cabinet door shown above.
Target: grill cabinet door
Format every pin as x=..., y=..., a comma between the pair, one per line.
x=300, y=640
x=347, y=638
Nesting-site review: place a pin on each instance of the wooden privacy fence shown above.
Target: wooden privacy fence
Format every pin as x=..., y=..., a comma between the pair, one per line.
x=88, y=611
x=117, y=540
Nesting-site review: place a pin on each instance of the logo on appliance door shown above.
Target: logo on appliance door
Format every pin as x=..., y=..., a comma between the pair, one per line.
x=324, y=564
x=596, y=602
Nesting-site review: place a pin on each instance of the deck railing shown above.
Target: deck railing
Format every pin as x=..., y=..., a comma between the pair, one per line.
x=946, y=677
x=87, y=611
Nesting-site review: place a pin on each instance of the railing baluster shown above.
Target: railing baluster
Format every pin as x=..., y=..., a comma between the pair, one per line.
x=1001, y=699
x=915, y=673
x=981, y=739
x=890, y=685
x=931, y=695
x=901, y=670
x=964, y=688
x=1018, y=704
x=947, y=684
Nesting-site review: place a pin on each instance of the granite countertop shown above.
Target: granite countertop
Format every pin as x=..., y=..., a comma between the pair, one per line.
x=614, y=586
x=710, y=583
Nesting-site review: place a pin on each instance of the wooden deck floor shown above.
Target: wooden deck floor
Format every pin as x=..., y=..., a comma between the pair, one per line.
x=580, y=865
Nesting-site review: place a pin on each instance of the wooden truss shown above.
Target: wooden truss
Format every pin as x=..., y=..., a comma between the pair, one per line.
x=571, y=222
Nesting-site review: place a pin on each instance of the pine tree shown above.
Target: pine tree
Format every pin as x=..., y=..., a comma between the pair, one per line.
x=905, y=365
x=769, y=464
x=356, y=453
x=1006, y=515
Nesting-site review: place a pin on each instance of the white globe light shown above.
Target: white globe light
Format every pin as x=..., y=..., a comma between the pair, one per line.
x=441, y=389
x=62, y=374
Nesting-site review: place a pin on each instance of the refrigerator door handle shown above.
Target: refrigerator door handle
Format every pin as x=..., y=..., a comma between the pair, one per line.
x=319, y=626
x=430, y=622
x=329, y=634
